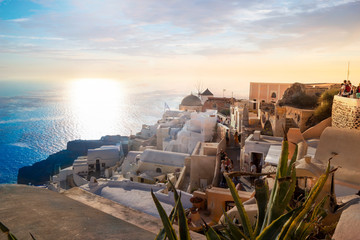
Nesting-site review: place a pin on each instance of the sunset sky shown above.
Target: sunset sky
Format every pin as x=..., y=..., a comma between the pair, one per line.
x=224, y=44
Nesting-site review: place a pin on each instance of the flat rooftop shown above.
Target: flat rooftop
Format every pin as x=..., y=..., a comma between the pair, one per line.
x=50, y=215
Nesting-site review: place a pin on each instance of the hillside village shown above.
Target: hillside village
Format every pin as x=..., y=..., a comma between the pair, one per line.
x=209, y=136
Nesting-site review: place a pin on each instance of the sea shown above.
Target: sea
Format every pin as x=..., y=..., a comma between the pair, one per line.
x=39, y=118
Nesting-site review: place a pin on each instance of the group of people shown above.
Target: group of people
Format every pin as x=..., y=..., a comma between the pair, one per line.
x=348, y=90
x=225, y=122
x=225, y=167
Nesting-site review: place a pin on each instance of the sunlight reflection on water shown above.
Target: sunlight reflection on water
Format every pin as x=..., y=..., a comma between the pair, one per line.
x=96, y=106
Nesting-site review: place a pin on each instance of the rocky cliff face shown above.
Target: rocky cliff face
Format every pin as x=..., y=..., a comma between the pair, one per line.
x=40, y=172
x=295, y=96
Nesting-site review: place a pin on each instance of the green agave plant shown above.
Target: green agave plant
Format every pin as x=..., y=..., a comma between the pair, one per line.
x=275, y=218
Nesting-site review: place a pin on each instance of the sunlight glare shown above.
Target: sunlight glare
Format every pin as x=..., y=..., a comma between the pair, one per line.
x=96, y=106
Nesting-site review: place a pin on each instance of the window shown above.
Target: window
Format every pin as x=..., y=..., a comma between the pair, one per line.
x=158, y=170
x=103, y=165
x=214, y=105
x=273, y=95
x=91, y=166
x=229, y=205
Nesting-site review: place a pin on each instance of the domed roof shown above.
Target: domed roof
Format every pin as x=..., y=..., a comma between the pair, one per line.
x=191, y=100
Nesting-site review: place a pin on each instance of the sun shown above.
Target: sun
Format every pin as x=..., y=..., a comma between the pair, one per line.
x=95, y=105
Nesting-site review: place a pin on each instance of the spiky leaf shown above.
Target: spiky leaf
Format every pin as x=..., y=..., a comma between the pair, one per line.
x=183, y=225
x=210, y=233
x=32, y=237
x=309, y=201
x=234, y=230
x=273, y=230
x=261, y=196
x=170, y=232
x=243, y=215
x=3, y=228
x=162, y=233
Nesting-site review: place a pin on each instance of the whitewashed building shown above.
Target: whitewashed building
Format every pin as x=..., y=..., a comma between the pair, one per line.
x=200, y=127
x=146, y=166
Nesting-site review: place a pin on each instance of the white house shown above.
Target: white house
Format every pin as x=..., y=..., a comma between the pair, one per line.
x=99, y=159
x=200, y=127
x=145, y=166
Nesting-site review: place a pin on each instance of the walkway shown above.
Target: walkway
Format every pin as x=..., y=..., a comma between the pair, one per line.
x=50, y=215
x=233, y=153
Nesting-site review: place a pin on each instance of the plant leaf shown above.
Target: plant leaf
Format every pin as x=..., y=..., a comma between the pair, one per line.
x=234, y=230
x=283, y=159
x=309, y=201
x=170, y=232
x=33, y=238
x=162, y=233
x=183, y=225
x=11, y=236
x=210, y=233
x=4, y=228
x=293, y=159
x=262, y=197
x=240, y=207
x=273, y=230
x=273, y=210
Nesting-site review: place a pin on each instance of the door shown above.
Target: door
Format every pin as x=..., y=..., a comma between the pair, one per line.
x=256, y=158
x=97, y=165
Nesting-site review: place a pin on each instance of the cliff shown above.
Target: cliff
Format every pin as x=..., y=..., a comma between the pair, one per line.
x=40, y=172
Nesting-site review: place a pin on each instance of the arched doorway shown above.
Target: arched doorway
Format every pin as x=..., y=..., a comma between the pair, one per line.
x=97, y=165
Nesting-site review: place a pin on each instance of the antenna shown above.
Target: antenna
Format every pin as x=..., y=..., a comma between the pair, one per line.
x=199, y=86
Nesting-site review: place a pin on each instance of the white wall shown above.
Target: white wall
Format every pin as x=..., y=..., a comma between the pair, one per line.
x=109, y=155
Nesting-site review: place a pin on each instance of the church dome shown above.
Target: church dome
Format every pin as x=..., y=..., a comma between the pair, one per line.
x=191, y=100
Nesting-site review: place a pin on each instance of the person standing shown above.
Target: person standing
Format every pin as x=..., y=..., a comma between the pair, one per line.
x=253, y=169
x=227, y=137
x=222, y=171
x=236, y=138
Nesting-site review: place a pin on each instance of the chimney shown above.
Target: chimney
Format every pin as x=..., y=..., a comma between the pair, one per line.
x=256, y=136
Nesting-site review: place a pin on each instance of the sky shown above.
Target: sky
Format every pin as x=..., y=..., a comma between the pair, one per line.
x=178, y=43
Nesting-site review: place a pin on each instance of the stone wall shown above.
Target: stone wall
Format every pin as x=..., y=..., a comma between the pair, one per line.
x=346, y=113
x=300, y=116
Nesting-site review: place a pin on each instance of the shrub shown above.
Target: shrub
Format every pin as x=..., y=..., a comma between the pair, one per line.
x=304, y=101
x=324, y=108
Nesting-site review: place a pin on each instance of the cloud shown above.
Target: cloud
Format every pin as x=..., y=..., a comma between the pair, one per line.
x=31, y=37
x=167, y=28
x=324, y=28
x=18, y=20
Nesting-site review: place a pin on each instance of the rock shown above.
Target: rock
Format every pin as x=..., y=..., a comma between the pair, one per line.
x=39, y=173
